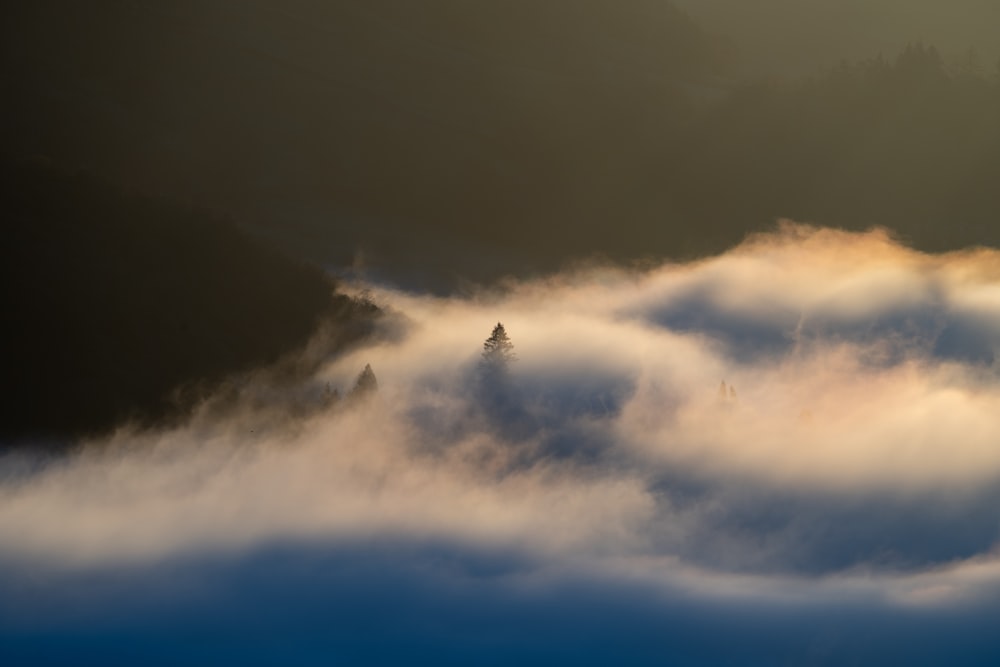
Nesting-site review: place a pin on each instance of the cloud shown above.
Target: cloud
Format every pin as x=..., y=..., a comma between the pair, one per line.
x=855, y=466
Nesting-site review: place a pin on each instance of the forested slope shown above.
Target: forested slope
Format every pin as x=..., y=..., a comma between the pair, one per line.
x=439, y=141
x=114, y=302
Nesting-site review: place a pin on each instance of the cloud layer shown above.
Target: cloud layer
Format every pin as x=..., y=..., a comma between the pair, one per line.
x=851, y=462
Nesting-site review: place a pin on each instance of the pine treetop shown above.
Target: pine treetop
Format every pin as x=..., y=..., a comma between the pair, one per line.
x=498, y=349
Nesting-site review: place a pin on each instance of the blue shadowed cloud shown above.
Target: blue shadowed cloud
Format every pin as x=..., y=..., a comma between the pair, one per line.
x=600, y=501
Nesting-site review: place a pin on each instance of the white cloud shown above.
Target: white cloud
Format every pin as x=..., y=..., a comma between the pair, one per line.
x=614, y=399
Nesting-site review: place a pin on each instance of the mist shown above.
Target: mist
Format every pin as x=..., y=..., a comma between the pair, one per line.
x=795, y=438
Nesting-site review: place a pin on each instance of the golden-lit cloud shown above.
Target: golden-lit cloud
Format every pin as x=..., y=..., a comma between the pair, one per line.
x=860, y=386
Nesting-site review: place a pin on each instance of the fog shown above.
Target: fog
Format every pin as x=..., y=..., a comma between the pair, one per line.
x=251, y=413
x=851, y=459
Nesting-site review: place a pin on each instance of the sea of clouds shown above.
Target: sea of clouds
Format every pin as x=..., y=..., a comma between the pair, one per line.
x=806, y=426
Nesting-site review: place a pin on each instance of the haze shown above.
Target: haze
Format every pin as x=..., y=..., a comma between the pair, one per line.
x=512, y=332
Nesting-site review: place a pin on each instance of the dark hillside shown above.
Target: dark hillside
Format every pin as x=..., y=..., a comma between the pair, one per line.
x=420, y=132
x=447, y=140
x=112, y=301
x=907, y=142
x=798, y=37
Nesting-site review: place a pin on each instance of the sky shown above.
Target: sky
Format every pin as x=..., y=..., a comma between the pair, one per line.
x=781, y=454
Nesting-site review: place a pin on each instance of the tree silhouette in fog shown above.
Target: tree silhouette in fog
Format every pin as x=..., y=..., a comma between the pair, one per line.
x=366, y=384
x=331, y=396
x=727, y=394
x=500, y=399
x=498, y=350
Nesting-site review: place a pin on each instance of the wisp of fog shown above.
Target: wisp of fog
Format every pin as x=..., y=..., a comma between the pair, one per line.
x=809, y=416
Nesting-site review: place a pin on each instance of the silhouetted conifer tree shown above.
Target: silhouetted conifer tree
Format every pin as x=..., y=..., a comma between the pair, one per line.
x=366, y=383
x=498, y=350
